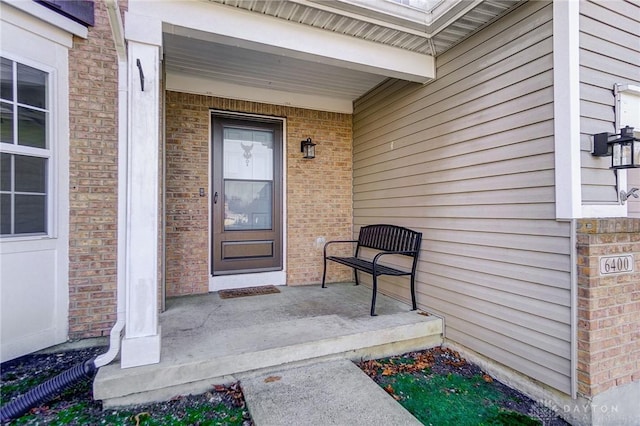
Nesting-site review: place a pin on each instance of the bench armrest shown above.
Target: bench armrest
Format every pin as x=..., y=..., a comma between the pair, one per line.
x=383, y=253
x=337, y=242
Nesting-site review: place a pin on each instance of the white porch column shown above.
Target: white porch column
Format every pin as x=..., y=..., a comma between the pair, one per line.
x=141, y=345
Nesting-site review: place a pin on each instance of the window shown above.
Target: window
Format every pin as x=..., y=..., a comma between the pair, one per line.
x=24, y=149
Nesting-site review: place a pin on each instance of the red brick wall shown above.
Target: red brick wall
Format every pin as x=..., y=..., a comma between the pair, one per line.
x=93, y=172
x=608, y=306
x=319, y=201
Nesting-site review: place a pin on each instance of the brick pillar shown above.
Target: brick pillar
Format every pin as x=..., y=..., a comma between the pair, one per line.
x=608, y=304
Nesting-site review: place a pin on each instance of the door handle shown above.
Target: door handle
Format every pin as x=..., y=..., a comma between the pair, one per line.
x=215, y=198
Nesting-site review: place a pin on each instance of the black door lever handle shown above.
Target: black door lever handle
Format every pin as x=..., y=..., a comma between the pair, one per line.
x=215, y=198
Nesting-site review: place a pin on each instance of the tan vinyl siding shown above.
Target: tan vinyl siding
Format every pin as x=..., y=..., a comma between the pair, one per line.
x=609, y=54
x=468, y=160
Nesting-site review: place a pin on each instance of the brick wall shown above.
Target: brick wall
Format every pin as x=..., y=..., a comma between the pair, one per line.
x=93, y=180
x=319, y=202
x=608, y=306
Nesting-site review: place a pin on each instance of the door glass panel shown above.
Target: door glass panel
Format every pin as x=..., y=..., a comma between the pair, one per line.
x=248, y=154
x=248, y=179
x=247, y=205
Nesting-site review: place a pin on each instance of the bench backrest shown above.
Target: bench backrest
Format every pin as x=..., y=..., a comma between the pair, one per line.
x=390, y=238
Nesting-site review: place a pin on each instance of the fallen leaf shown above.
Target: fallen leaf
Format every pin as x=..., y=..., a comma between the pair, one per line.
x=219, y=388
x=139, y=415
x=426, y=314
x=272, y=379
x=388, y=372
x=487, y=378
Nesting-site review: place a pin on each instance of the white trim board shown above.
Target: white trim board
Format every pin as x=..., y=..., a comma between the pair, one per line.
x=47, y=15
x=208, y=87
x=230, y=282
x=566, y=103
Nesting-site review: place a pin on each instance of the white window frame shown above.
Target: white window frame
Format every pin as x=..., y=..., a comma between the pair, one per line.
x=48, y=152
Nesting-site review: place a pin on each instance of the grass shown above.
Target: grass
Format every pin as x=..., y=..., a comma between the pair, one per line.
x=223, y=405
x=439, y=387
x=452, y=400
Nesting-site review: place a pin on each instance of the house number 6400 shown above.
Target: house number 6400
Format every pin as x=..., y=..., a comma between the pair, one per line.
x=616, y=264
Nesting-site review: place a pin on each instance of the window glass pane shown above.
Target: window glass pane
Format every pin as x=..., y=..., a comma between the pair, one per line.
x=30, y=214
x=6, y=122
x=5, y=214
x=32, y=128
x=6, y=79
x=30, y=174
x=247, y=205
x=5, y=172
x=32, y=86
x=248, y=154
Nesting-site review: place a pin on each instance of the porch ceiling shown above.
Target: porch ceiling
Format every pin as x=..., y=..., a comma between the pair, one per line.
x=245, y=67
x=345, y=68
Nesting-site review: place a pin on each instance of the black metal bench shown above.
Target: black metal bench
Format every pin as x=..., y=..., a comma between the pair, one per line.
x=387, y=240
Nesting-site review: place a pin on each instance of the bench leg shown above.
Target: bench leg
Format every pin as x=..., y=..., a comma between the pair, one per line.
x=413, y=292
x=355, y=272
x=373, y=298
x=324, y=272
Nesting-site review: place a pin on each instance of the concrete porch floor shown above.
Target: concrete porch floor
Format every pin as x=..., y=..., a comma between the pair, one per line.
x=207, y=340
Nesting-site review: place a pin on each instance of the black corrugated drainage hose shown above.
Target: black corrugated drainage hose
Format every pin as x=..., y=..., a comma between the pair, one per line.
x=47, y=390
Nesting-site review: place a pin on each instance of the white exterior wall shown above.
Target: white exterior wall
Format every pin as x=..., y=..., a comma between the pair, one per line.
x=469, y=160
x=34, y=270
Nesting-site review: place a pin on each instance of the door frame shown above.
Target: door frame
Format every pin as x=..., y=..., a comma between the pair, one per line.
x=232, y=281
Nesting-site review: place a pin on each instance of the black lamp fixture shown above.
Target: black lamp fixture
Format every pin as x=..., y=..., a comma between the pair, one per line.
x=623, y=148
x=308, y=148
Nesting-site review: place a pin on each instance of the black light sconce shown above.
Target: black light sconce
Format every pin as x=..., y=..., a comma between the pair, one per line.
x=624, y=148
x=308, y=148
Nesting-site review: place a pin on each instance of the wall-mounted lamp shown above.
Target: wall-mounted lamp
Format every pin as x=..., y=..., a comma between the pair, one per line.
x=623, y=148
x=308, y=148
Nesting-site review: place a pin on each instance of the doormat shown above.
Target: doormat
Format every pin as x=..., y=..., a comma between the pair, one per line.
x=249, y=291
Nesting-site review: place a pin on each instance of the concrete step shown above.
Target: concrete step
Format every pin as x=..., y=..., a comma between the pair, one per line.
x=191, y=368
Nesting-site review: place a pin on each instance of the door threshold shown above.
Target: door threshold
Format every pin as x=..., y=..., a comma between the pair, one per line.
x=230, y=282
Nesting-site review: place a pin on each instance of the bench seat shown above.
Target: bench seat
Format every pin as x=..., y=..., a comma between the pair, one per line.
x=367, y=266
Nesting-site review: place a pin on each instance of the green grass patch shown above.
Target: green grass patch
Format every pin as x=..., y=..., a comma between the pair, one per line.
x=452, y=400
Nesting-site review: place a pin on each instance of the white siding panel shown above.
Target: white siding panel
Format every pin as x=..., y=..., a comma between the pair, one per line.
x=468, y=160
x=609, y=54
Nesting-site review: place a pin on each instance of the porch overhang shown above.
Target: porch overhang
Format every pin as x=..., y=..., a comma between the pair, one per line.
x=214, y=49
x=248, y=30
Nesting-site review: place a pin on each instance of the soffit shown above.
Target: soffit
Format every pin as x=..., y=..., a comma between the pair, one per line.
x=354, y=18
x=188, y=54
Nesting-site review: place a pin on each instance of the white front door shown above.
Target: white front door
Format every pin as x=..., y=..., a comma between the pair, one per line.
x=34, y=187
